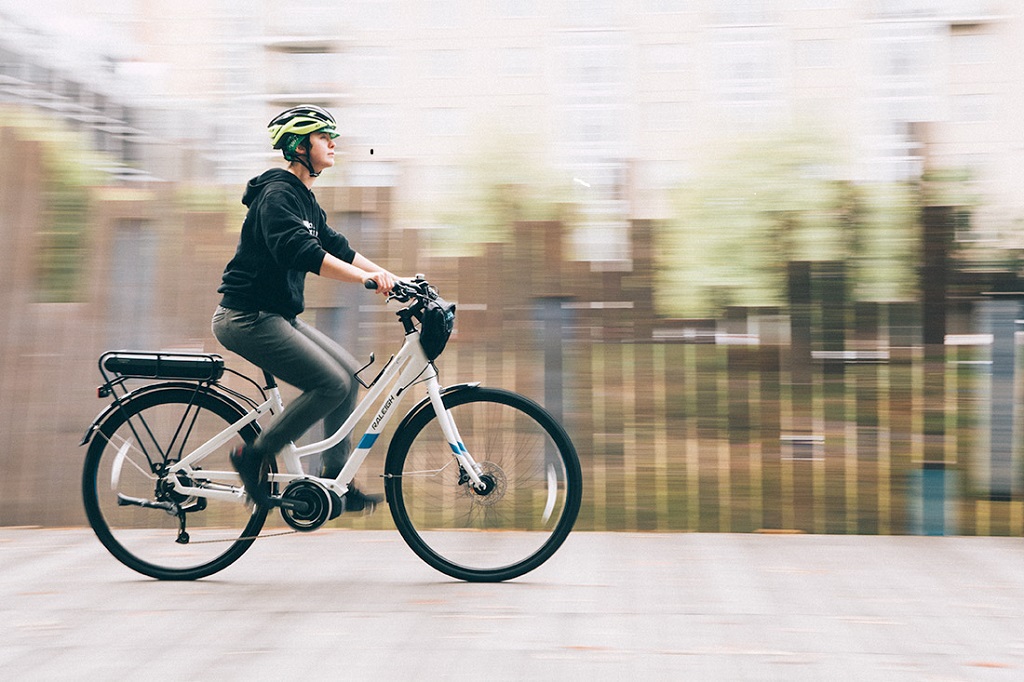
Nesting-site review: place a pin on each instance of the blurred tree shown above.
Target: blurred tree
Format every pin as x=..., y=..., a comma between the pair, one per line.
x=68, y=173
x=504, y=180
x=62, y=239
x=769, y=201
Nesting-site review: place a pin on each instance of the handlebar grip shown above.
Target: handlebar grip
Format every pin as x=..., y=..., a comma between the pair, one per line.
x=370, y=284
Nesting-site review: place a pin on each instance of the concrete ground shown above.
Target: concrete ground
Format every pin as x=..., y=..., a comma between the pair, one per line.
x=337, y=604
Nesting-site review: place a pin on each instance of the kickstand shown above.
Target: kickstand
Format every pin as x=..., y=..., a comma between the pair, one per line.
x=182, y=535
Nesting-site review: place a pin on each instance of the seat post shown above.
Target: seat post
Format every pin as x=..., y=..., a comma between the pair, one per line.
x=269, y=380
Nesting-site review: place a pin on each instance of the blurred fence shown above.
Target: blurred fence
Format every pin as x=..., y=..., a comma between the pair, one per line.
x=819, y=416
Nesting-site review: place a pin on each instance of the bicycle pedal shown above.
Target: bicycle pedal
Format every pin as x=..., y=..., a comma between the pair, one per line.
x=337, y=505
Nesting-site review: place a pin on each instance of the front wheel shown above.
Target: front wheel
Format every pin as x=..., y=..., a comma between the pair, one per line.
x=532, y=488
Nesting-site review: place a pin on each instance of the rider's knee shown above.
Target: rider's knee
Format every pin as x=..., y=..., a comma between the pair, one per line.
x=336, y=389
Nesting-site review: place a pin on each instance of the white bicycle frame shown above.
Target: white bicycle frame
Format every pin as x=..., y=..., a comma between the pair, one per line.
x=404, y=370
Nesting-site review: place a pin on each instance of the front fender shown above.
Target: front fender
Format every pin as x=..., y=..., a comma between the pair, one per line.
x=142, y=390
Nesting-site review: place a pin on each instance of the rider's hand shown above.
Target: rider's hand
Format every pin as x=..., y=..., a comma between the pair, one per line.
x=384, y=281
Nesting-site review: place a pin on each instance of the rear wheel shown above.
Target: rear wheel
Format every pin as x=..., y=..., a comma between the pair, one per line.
x=130, y=502
x=531, y=494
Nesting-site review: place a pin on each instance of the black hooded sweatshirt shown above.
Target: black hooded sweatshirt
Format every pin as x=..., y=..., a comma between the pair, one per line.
x=284, y=236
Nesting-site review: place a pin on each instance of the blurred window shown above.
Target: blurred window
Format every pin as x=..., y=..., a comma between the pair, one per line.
x=11, y=64
x=904, y=59
x=596, y=126
x=743, y=12
x=369, y=124
x=973, y=107
x=665, y=57
x=592, y=12
x=444, y=13
x=445, y=121
x=370, y=67
x=907, y=8
x=665, y=116
x=518, y=9
x=446, y=63
x=292, y=17
x=821, y=4
x=372, y=15
x=815, y=53
x=746, y=66
x=593, y=65
x=520, y=119
x=670, y=6
x=308, y=72
x=520, y=61
x=972, y=48
x=661, y=174
x=906, y=78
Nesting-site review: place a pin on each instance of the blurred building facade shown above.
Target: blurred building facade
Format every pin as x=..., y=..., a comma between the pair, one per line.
x=626, y=101
x=621, y=101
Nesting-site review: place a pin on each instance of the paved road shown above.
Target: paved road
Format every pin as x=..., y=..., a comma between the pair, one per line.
x=338, y=604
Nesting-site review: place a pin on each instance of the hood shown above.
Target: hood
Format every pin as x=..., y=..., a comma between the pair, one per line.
x=255, y=186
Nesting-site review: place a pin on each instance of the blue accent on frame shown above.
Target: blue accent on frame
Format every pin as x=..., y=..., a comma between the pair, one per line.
x=367, y=441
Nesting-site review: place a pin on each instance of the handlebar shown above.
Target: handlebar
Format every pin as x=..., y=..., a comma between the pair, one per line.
x=405, y=290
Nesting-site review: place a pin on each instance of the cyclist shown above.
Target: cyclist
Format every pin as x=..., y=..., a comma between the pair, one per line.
x=284, y=236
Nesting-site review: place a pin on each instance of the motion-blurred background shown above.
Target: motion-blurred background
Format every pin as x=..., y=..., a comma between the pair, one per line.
x=762, y=257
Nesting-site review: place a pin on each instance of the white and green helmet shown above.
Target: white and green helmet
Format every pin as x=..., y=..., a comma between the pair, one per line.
x=292, y=127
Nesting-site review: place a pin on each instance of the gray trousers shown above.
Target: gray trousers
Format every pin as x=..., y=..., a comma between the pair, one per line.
x=304, y=357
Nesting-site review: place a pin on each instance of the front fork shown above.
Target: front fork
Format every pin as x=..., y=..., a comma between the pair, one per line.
x=468, y=465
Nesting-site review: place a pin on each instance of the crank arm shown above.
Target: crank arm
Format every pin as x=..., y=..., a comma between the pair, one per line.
x=126, y=501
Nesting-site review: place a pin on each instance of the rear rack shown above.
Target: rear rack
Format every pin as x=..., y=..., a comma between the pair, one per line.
x=202, y=368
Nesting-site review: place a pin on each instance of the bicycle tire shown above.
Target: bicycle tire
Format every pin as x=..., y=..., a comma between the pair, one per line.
x=533, y=501
x=158, y=424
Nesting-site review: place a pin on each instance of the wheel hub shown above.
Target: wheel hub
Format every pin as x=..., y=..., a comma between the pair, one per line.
x=495, y=484
x=165, y=491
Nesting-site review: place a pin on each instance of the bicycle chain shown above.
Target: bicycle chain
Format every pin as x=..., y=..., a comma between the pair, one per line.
x=249, y=537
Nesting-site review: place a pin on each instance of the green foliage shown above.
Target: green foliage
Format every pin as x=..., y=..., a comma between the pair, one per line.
x=62, y=241
x=503, y=181
x=885, y=264
x=767, y=202
x=68, y=173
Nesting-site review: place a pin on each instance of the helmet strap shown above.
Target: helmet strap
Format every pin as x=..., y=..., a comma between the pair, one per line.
x=303, y=157
x=304, y=160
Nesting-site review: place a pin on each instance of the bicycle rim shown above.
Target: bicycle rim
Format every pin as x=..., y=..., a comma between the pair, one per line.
x=530, y=507
x=150, y=431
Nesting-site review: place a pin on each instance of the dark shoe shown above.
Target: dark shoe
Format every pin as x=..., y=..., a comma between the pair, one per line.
x=249, y=464
x=358, y=501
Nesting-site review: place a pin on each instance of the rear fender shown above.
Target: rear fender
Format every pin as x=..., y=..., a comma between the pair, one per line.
x=149, y=388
